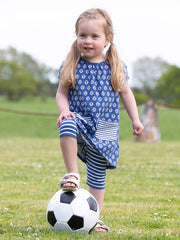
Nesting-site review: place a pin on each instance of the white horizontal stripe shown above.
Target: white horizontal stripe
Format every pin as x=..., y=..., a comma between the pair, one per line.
x=107, y=130
x=95, y=169
x=68, y=129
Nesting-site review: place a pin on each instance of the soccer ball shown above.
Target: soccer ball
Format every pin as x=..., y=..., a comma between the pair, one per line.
x=75, y=212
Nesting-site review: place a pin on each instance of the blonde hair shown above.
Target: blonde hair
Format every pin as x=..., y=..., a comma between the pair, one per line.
x=68, y=71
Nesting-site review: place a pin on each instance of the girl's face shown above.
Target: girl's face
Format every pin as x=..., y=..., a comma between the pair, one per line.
x=91, y=40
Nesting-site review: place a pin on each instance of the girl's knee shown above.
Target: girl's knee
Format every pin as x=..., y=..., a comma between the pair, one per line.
x=68, y=127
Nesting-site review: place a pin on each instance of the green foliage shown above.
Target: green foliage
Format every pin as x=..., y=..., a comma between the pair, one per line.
x=157, y=78
x=16, y=82
x=146, y=71
x=21, y=76
x=168, y=87
x=140, y=97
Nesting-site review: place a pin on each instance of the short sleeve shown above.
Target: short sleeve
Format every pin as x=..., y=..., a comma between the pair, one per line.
x=125, y=71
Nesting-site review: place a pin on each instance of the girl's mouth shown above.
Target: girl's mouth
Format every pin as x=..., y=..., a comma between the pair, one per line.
x=88, y=48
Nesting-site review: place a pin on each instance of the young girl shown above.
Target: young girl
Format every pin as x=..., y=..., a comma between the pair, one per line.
x=91, y=82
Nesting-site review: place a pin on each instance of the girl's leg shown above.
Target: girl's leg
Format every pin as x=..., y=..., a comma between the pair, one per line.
x=96, y=176
x=69, y=151
x=68, y=144
x=99, y=196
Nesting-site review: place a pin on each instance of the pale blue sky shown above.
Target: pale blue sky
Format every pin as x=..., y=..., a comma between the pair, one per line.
x=45, y=28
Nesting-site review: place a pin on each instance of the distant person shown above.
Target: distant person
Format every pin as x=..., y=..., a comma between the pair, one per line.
x=91, y=82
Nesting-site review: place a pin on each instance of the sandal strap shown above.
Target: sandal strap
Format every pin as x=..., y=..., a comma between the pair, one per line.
x=66, y=179
x=100, y=224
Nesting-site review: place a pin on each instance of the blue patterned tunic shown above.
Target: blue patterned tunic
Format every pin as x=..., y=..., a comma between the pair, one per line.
x=96, y=106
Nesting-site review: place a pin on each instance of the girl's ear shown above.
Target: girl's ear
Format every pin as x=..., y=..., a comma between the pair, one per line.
x=108, y=40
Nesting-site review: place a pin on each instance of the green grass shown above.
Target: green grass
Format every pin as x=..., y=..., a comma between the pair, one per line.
x=142, y=194
x=142, y=199
x=15, y=125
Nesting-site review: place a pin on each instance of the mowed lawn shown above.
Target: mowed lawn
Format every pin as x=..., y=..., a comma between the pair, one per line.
x=142, y=199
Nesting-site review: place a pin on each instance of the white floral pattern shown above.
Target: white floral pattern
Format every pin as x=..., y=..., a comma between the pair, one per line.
x=96, y=106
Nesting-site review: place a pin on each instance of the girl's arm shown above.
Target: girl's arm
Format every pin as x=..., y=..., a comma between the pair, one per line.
x=129, y=103
x=62, y=103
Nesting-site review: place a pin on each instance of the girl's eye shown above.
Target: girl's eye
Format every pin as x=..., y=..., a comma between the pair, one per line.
x=94, y=36
x=82, y=35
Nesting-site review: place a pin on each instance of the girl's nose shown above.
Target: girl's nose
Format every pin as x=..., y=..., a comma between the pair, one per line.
x=88, y=40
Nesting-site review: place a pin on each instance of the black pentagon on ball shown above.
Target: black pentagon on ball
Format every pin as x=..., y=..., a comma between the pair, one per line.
x=92, y=204
x=76, y=222
x=67, y=197
x=51, y=218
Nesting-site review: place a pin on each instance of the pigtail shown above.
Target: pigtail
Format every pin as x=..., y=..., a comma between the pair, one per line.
x=68, y=71
x=117, y=74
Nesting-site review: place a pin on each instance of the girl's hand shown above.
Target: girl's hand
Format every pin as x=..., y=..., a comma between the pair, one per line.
x=138, y=128
x=64, y=115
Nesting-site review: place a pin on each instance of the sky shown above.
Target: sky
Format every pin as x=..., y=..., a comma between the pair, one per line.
x=45, y=28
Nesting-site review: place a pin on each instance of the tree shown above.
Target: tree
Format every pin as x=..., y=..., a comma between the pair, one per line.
x=21, y=75
x=146, y=71
x=167, y=89
x=16, y=82
x=40, y=71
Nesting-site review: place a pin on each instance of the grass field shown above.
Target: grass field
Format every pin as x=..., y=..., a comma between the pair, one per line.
x=23, y=125
x=142, y=199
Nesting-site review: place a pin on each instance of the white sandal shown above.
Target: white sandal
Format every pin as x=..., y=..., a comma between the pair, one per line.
x=100, y=224
x=66, y=179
